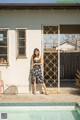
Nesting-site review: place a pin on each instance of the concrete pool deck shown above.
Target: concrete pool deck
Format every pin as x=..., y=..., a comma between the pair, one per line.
x=66, y=95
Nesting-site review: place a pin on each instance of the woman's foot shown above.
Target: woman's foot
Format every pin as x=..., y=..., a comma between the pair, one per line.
x=46, y=93
x=34, y=93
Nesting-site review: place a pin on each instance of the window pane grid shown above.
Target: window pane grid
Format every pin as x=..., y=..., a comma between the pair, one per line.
x=21, y=46
x=22, y=39
x=4, y=37
x=21, y=42
x=3, y=54
x=3, y=47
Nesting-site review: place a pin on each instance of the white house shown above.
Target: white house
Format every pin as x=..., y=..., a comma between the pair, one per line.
x=67, y=46
x=21, y=30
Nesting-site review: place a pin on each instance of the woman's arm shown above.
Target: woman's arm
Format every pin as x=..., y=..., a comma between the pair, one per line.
x=32, y=63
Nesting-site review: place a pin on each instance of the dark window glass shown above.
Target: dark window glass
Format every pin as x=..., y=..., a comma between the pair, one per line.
x=21, y=33
x=21, y=42
x=21, y=51
x=3, y=50
x=3, y=47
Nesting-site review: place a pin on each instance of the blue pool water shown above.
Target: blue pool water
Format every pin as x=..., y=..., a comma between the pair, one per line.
x=40, y=111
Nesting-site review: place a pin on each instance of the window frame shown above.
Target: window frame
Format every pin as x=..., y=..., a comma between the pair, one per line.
x=6, y=63
x=17, y=49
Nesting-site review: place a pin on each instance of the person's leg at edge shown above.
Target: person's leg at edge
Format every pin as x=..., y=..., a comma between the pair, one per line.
x=44, y=86
x=34, y=86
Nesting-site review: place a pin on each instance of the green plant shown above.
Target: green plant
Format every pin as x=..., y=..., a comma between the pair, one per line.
x=78, y=78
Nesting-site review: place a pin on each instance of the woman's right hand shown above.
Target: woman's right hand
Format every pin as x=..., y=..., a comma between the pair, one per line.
x=34, y=64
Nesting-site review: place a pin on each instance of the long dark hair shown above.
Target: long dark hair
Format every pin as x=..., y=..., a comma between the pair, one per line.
x=34, y=55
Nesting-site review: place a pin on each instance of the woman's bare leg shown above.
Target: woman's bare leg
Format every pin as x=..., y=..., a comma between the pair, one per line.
x=44, y=86
x=35, y=86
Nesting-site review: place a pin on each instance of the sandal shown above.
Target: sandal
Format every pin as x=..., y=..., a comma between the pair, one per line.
x=42, y=92
x=46, y=93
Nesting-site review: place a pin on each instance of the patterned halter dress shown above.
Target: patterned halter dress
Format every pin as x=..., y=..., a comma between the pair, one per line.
x=36, y=72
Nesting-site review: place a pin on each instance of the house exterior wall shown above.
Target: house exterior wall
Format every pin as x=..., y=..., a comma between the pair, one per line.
x=18, y=71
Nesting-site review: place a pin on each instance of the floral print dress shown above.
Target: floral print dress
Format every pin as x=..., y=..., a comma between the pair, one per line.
x=36, y=72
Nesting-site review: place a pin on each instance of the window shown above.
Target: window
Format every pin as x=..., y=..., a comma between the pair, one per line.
x=70, y=50
x=21, y=40
x=3, y=46
x=70, y=38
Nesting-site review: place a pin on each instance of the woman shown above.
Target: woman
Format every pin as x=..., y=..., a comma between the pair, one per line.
x=36, y=76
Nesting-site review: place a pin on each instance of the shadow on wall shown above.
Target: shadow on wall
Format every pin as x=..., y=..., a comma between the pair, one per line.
x=11, y=90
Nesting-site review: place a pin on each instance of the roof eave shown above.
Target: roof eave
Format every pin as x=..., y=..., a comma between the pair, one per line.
x=23, y=6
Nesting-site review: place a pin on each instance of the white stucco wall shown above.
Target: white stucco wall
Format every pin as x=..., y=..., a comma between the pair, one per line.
x=18, y=71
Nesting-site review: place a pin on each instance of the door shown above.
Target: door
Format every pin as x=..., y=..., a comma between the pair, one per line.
x=51, y=56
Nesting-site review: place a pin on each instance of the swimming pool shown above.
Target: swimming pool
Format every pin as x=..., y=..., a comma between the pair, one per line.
x=39, y=111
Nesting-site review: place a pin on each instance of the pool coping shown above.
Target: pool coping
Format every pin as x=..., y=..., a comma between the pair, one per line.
x=41, y=104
